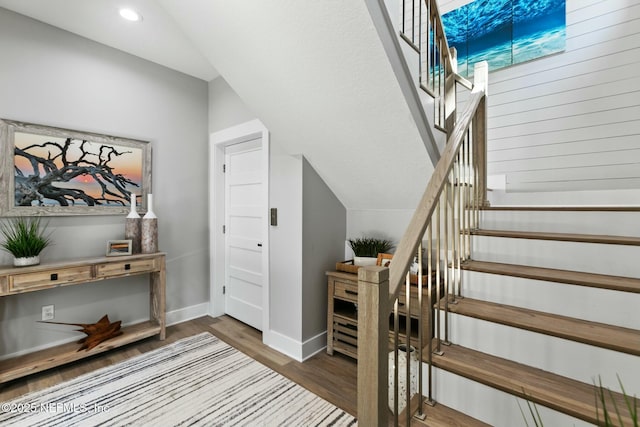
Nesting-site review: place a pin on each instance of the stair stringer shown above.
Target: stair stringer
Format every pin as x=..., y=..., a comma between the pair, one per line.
x=405, y=68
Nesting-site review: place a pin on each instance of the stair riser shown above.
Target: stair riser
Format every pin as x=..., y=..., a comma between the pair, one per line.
x=620, y=197
x=480, y=401
x=581, y=222
x=593, y=304
x=618, y=260
x=574, y=360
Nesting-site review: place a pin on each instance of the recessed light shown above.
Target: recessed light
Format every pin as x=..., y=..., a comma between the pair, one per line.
x=130, y=15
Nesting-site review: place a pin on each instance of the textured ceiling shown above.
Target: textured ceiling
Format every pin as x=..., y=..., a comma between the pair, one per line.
x=157, y=38
x=317, y=75
x=315, y=72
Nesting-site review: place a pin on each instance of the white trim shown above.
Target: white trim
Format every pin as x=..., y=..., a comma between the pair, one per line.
x=295, y=349
x=314, y=345
x=217, y=142
x=187, y=313
x=285, y=345
x=172, y=317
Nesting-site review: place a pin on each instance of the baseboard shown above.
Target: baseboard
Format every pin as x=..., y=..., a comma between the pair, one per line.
x=314, y=345
x=295, y=349
x=187, y=313
x=171, y=318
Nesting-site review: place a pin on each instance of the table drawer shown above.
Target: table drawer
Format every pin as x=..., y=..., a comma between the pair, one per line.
x=109, y=269
x=49, y=278
x=346, y=290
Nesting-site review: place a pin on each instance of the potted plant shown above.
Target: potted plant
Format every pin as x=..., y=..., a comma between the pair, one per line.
x=24, y=239
x=366, y=249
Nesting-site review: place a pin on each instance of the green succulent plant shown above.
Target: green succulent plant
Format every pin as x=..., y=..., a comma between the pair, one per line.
x=370, y=247
x=24, y=237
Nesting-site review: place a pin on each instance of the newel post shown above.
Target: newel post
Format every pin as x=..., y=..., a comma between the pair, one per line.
x=373, y=346
x=450, y=99
x=481, y=81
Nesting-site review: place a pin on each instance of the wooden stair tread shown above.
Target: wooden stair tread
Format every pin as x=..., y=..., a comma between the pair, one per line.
x=565, y=237
x=598, y=334
x=556, y=392
x=603, y=281
x=585, y=208
x=443, y=416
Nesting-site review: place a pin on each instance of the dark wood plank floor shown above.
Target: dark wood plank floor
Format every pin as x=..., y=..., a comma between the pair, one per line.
x=331, y=377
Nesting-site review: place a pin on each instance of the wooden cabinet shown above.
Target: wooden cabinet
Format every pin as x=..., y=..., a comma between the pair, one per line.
x=342, y=314
x=77, y=272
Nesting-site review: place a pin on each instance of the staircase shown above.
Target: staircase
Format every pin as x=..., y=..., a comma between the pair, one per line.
x=535, y=325
x=539, y=304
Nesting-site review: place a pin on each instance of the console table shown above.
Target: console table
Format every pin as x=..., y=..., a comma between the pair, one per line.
x=35, y=278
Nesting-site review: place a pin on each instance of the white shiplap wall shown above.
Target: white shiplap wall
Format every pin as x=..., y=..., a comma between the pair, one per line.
x=571, y=121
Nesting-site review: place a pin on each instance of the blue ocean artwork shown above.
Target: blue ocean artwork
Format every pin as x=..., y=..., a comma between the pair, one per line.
x=455, y=24
x=505, y=32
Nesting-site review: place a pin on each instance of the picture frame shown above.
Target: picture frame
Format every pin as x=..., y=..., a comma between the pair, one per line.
x=119, y=247
x=50, y=171
x=384, y=260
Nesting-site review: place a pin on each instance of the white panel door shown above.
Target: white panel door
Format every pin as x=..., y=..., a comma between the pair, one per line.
x=243, y=232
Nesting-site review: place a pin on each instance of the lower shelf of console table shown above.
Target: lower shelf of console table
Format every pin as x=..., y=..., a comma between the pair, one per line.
x=55, y=356
x=13, y=280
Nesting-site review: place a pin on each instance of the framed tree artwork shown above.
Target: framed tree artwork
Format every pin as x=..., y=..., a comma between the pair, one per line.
x=51, y=171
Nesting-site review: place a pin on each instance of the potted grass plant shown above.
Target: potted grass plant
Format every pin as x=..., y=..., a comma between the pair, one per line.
x=604, y=400
x=24, y=238
x=366, y=249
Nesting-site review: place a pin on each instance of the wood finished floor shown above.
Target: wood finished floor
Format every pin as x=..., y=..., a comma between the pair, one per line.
x=331, y=377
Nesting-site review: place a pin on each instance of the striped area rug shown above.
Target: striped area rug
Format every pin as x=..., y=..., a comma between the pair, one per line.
x=198, y=381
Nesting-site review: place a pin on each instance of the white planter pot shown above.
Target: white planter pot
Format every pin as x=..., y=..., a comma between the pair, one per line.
x=402, y=376
x=364, y=261
x=25, y=261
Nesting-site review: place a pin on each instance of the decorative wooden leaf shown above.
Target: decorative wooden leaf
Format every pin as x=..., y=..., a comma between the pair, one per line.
x=96, y=332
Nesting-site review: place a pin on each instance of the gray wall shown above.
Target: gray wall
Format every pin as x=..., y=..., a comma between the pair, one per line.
x=52, y=77
x=226, y=109
x=285, y=240
x=323, y=233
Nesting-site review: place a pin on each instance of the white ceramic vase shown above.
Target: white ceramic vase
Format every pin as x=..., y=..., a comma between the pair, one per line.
x=133, y=213
x=402, y=375
x=149, y=229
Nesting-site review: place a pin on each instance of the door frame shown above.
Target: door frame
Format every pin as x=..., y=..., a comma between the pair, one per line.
x=217, y=142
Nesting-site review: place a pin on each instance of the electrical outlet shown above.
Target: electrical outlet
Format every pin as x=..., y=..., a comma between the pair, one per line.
x=48, y=312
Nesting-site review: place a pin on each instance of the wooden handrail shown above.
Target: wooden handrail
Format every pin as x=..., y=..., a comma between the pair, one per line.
x=406, y=249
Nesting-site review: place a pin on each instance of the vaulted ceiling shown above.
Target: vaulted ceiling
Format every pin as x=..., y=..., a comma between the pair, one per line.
x=315, y=73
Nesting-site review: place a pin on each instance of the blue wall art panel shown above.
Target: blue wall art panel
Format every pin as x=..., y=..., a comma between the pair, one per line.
x=539, y=28
x=505, y=32
x=455, y=25
x=490, y=26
